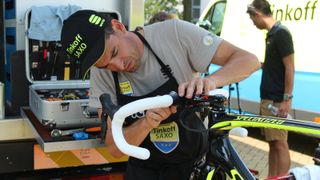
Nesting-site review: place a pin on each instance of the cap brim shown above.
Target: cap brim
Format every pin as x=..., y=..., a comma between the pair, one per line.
x=92, y=57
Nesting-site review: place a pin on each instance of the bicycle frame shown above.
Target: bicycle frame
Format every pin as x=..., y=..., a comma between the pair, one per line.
x=223, y=153
x=233, y=120
x=222, y=159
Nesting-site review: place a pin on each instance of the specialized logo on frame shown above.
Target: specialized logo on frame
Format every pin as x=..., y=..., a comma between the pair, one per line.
x=165, y=137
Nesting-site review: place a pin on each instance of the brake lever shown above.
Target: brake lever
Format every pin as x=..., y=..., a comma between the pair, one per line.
x=108, y=109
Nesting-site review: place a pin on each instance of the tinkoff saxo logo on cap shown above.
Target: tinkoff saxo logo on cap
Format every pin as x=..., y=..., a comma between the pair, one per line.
x=78, y=46
x=83, y=39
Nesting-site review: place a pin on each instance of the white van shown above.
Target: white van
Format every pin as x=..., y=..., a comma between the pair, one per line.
x=228, y=19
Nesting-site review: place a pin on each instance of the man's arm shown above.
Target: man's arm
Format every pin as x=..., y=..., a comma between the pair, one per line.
x=288, y=62
x=237, y=64
x=285, y=106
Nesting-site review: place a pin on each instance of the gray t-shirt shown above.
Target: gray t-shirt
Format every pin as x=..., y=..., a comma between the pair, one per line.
x=187, y=49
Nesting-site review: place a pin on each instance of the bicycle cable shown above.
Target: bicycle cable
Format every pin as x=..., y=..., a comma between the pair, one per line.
x=181, y=119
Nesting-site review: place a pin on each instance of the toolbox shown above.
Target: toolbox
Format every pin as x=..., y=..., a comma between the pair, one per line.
x=13, y=18
x=58, y=97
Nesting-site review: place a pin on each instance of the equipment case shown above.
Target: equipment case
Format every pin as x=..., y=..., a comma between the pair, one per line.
x=14, y=40
x=57, y=97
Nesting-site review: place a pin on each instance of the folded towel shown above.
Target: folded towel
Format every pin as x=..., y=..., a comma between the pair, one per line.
x=46, y=21
x=308, y=172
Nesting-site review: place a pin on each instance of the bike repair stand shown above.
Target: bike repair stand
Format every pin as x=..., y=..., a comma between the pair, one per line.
x=231, y=88
x=316, y=157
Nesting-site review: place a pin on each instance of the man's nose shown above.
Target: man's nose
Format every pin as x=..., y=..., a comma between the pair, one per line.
x=118, y=64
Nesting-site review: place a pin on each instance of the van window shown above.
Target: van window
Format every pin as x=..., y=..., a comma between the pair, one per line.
x=214, y=18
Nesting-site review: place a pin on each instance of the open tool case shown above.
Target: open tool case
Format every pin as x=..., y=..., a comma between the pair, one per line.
x=58, y=97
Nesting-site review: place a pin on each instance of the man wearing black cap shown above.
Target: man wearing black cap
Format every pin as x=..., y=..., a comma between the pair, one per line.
x=153, y=61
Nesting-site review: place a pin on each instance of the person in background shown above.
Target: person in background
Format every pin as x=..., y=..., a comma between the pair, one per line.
x=161, y=16
x=276, y=83
x=155, y=60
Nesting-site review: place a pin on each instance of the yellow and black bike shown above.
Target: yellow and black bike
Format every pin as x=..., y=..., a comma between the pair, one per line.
x=221, y=160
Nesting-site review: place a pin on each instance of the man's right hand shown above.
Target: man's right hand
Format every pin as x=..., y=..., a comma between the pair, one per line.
x=155, y=116
x=196, y=86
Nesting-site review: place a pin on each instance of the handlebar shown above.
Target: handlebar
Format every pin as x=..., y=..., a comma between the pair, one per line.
x=146, y=104
x=127, y=110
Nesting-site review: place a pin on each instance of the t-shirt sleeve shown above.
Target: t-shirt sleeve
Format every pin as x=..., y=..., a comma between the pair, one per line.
x=100, y=82
x=284, y=43
x=200, y=44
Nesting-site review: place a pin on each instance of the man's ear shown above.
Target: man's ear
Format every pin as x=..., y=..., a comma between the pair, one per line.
x=258, y=13
x=117, y=26
x=254, y=13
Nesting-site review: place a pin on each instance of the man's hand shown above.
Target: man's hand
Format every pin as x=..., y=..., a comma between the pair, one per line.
x=196, y=86
x=284, y=109
x=155, y=116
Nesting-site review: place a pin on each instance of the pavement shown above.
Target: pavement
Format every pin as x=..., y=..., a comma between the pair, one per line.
x=254, y=153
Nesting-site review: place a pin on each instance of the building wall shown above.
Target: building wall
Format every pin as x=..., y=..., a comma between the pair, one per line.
x=197, y=6
x=203, y=5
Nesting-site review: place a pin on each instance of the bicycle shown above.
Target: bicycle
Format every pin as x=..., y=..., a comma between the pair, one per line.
x=221, y=160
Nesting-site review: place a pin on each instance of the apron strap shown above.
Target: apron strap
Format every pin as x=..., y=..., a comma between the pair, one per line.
x=116, y=82
x=165, y=69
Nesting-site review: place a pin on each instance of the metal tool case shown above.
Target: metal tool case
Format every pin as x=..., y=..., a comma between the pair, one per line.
x=52, y=75
x=61, y=114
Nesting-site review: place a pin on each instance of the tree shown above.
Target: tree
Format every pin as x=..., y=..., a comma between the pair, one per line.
x=187, y=5
x=151, y=7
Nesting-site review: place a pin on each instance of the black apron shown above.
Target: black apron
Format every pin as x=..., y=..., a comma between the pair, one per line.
x=166, y=163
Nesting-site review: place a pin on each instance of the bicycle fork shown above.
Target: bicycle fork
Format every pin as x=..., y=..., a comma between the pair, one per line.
x=228, y=160
x=221, y=162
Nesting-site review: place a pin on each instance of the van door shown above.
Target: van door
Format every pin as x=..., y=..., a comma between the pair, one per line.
x=213, y=19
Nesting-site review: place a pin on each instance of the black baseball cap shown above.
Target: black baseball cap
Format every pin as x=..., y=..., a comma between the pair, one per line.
x=83, y=39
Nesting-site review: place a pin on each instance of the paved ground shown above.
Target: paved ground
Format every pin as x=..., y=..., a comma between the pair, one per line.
x=254, y=152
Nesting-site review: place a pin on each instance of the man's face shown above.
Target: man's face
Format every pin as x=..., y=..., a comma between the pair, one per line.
x=120, y=55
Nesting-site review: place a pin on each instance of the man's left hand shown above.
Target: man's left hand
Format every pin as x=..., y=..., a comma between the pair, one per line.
x=284, y=109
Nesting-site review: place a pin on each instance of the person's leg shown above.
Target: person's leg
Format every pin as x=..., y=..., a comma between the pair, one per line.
x=273, y=164
x=283, y=162
x=279, y=158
